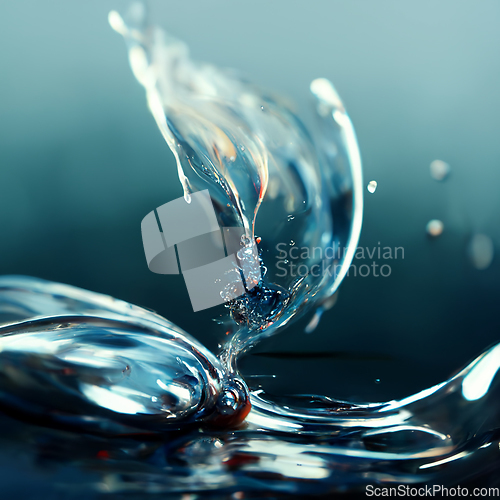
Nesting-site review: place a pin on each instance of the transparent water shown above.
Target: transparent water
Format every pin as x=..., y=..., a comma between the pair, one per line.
x=147, y=408
x=138, y=405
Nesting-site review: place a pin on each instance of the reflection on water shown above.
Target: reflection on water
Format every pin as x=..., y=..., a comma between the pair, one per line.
x=135, y=405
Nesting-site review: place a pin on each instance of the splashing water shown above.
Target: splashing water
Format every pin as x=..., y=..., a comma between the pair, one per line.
x=87, y=362
x=263, y=169
x=77, y=360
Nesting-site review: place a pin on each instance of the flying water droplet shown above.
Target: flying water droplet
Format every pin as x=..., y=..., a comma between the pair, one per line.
x=440, y=170
x=434, y=228
x=372, y=186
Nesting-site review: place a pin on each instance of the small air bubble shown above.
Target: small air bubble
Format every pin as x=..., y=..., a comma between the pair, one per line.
x=232, y=158
x=242, y=148
x=434, y=228
x=292, y=243
x=439, y=170
x=262, y=108
x=377, y=381
x=372, y=186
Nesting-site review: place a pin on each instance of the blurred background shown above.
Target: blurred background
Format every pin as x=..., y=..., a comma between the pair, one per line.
x=82, y=162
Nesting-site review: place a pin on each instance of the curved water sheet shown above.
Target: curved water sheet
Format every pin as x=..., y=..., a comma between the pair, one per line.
x=70, y=369
x=257, y=462
x=266, y=173
x=76, y=358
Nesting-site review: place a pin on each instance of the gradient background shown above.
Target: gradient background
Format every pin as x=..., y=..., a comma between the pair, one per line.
x=81, y=163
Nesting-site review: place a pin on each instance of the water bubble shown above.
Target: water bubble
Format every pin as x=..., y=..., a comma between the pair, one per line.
x=377, y=381
x=481, y=251
x=372, y=186
x=434, y=228
x=439, y=170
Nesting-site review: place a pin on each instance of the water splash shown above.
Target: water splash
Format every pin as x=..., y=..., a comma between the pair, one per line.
x=84, y=361
x=307, y=188
x=265, y=172
x=130, y=373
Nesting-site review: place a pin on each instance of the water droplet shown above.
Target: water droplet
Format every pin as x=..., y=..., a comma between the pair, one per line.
x=481, y=251
x=434, y=228
x=187, y=197
x=372, y=186
x=439, y=170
